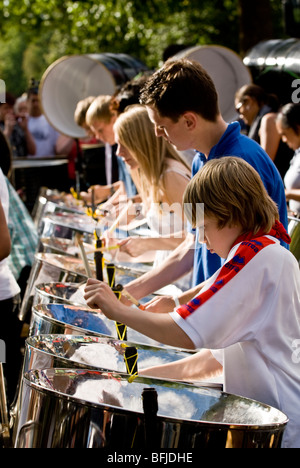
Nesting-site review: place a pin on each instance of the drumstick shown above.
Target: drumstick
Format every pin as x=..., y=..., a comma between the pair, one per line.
x=83, y=255
x=120, y=288
x=114, y=226
x=121, y=328
x=98, y=257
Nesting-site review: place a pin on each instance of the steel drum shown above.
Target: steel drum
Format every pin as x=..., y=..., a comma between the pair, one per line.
x=60, y=246
x=67, y=225
x=45, y=206
x=64, y=293
x=61, y=319
x=91, y=352
x=59, y=293
x=75, y=408
x=52, y=267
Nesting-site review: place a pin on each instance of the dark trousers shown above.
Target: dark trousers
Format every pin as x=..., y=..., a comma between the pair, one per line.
x=10, y=331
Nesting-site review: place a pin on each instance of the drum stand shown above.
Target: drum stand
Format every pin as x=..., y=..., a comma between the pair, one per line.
x=4, y=427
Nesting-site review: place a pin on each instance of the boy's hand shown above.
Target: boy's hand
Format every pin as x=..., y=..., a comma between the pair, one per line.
x=98, y=295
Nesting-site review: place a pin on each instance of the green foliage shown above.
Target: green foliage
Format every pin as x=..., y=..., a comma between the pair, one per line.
x=34, y=33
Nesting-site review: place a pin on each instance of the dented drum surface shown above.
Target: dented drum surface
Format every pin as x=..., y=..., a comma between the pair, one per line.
x=65, y=408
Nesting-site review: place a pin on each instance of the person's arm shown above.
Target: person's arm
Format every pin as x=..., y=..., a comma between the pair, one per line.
x=5, y=242
x=160, y=327
x=269, y=136
x=137, y=245
x=179, y=262
x=165, y=304
x=197, y=367
x=293, y=194
x=104, y=192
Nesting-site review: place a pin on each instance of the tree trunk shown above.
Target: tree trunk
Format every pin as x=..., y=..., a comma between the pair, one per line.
x=255, y=23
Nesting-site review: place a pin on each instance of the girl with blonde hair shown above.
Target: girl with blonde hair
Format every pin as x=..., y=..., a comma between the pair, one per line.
x=161, y=176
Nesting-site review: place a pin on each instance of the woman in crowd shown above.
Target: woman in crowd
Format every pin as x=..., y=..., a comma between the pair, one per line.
x=288, y=126
x=258, y=110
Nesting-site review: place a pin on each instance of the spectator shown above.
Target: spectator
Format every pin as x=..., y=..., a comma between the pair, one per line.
x=288, y=126
x=258, y=111
x=48, y=141
x=14, y=124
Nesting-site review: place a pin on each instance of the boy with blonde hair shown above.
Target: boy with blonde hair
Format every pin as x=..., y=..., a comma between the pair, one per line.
x=248, y=313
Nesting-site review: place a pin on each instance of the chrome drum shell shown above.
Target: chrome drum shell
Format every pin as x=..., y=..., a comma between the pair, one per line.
x=52, y=267
x=62, y=319
x=91, y=352
x=71, y=408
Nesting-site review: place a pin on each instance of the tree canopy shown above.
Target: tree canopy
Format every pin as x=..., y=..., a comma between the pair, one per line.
x=34, y=33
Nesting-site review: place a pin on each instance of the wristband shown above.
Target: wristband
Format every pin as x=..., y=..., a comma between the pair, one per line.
x=176, y=300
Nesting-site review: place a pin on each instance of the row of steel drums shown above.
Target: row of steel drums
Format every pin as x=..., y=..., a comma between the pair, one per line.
x=80, y=385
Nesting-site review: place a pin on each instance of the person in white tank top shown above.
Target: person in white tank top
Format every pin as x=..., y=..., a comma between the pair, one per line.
x=161, y=176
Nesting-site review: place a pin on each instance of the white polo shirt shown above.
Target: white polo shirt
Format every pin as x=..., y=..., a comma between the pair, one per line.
x=253, y=314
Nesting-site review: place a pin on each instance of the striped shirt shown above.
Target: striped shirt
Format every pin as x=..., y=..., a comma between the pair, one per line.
x=24, y=237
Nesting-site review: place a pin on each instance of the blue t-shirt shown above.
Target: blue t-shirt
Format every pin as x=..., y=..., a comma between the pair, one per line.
x=233, y=143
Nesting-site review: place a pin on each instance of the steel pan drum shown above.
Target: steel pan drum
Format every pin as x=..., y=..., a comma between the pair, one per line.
x=52, y=267
x=60, y=246
x=59, y=293
x=67, y=225
x=91, y=352
x=45, y=207
x=61, y=319
x=64, y=293
x=66, y=408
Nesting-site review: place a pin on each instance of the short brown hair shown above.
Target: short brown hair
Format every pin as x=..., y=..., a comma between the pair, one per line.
x=181, y=86
x=81, y=110
x=100, y=109
x=233, y=193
